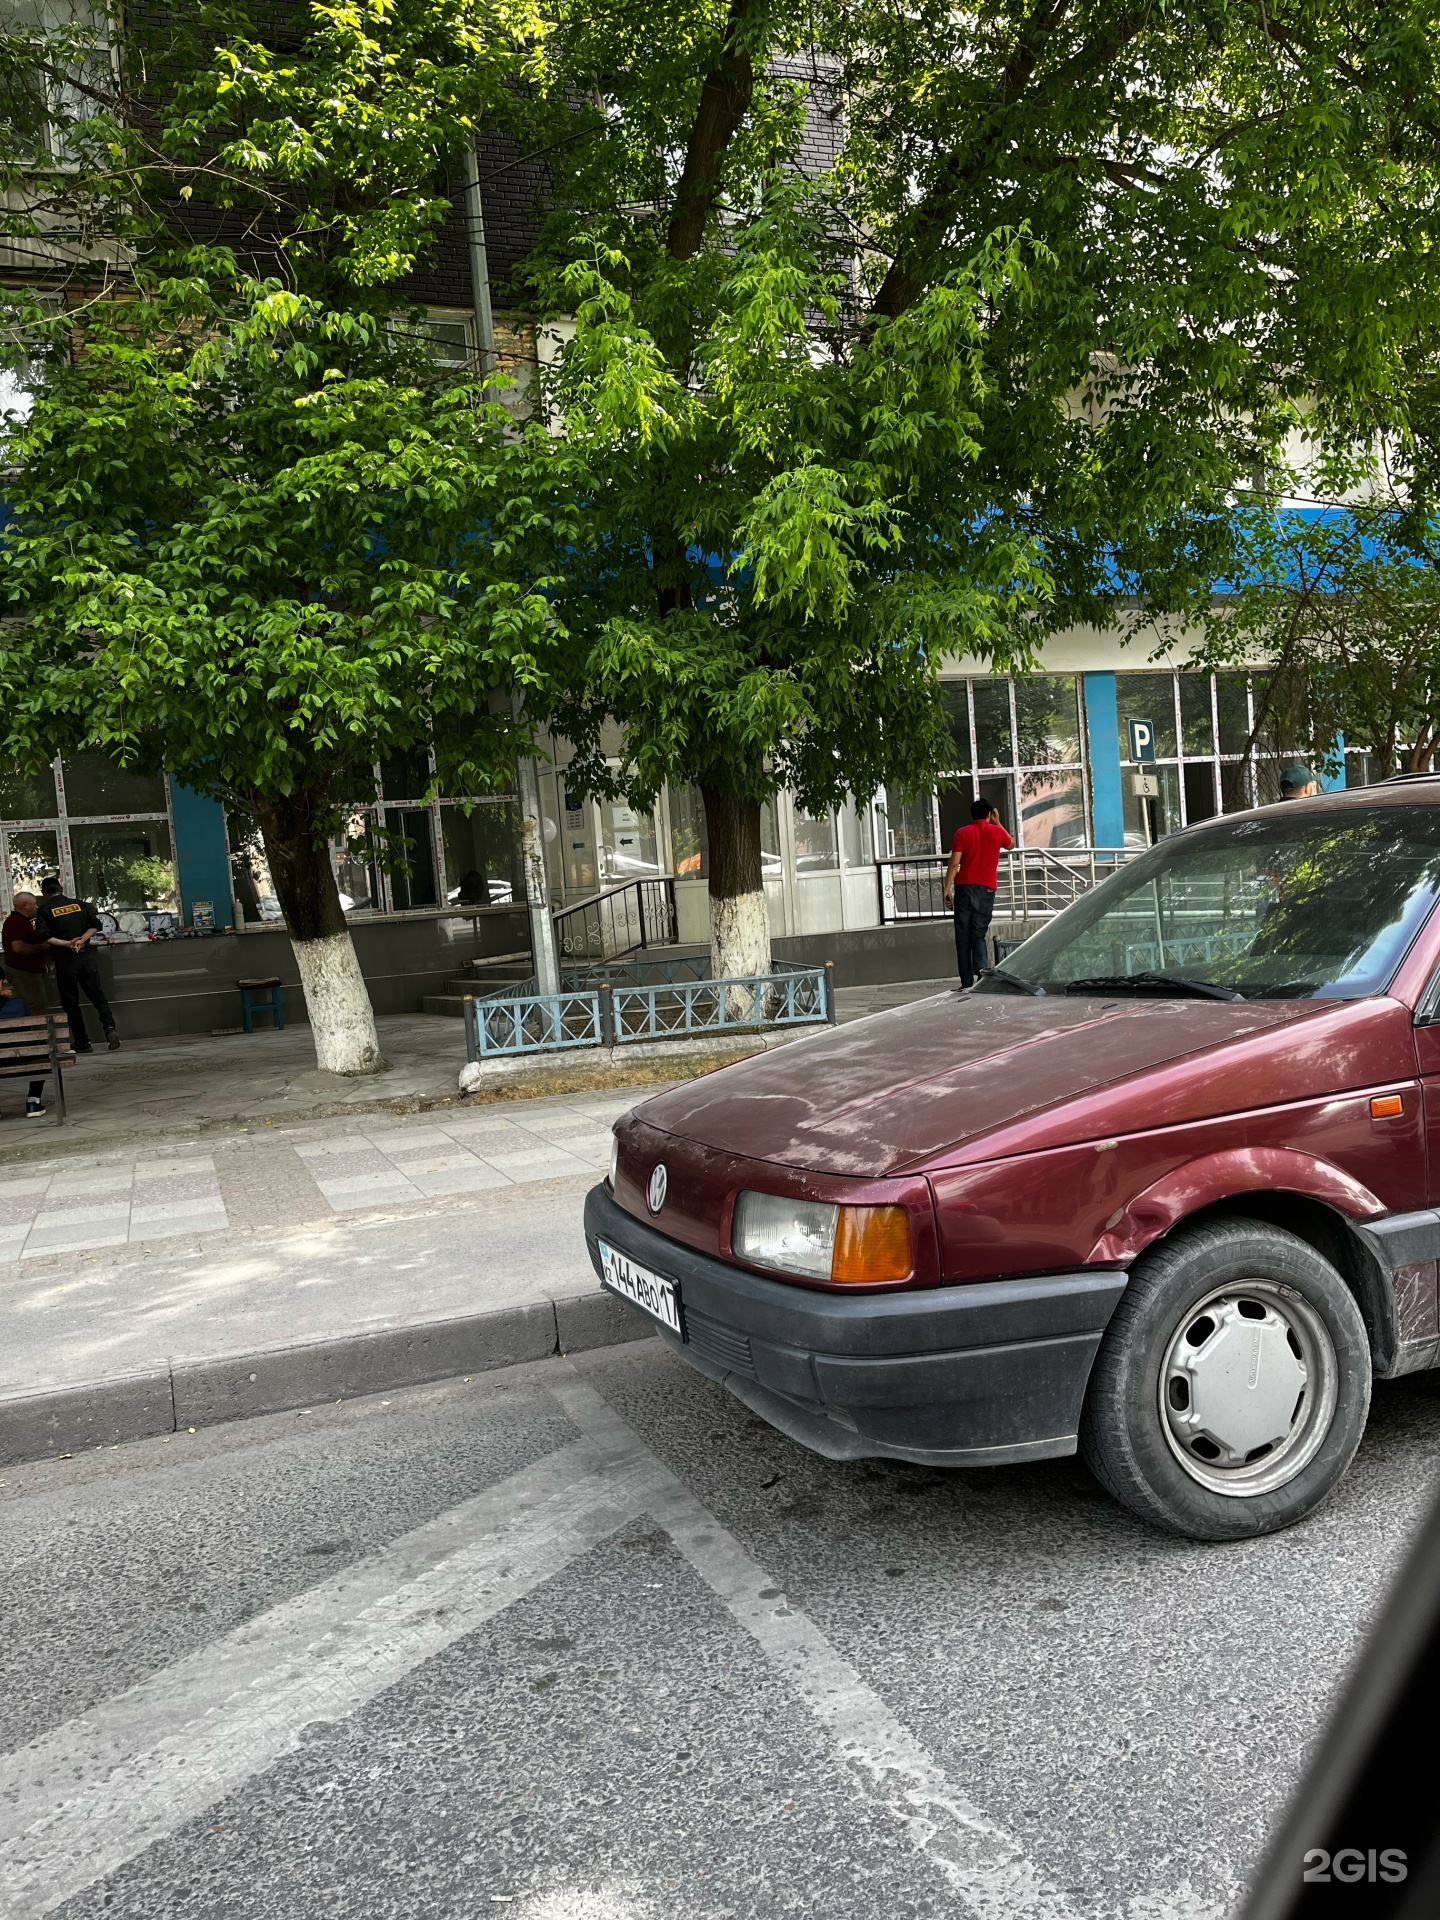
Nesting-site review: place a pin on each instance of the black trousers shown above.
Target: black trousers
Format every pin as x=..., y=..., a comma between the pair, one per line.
x=70, y=977
x=973, y=908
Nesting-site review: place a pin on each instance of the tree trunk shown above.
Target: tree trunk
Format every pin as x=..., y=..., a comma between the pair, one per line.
x=739, y=921
x=341, y=1017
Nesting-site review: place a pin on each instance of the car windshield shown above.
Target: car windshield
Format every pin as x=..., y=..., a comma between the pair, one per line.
x=1289, y=904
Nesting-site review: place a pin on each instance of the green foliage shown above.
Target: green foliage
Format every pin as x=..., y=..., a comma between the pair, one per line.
x=767, y=553
x=243, y=548
x=1344, y=606
x=1076, y=272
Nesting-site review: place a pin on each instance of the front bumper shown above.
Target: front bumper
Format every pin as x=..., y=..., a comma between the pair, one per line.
x=960, y=1376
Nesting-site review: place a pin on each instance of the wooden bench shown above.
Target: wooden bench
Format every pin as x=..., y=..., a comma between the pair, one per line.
x=34, y=1048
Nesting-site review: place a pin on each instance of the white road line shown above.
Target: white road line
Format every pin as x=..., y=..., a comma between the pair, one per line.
x=985, y=1866
x=81, y=1800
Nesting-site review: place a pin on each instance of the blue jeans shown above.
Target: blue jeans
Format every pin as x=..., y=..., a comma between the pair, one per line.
x=973, y=908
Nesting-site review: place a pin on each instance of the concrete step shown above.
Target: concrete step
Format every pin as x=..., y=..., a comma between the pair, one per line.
x=448, y=1004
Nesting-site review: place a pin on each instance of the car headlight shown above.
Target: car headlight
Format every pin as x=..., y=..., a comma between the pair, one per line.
x=851, y=1246
x=614, y=1159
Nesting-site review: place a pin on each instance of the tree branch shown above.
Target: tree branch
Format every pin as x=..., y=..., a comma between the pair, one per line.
x=937, y=209
x=724, y=102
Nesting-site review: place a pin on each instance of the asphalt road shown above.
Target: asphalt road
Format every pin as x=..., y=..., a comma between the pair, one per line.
x=586, y=1641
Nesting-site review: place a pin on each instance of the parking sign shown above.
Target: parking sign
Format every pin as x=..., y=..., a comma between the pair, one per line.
x=1142, y=739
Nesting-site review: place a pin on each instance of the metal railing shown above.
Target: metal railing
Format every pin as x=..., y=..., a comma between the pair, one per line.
x=789, y=999
x=515, y=1021
x=624, y=920
x=1036, y=883
x=536, y=1023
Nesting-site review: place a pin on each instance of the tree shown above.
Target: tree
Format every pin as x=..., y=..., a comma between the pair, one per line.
x=241, y=552
x=993, y=364
x=256, y=536
x=1341, y=605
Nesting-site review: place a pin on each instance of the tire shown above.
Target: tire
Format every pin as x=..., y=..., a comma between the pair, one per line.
x=1185, y=1415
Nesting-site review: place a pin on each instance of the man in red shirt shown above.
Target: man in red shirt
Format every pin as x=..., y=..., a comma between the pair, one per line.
x=973, y=875
x=25, y=964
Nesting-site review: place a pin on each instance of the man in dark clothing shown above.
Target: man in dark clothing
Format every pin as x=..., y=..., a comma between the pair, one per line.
x=69, y=926
x=25, y=964
x=974, y=875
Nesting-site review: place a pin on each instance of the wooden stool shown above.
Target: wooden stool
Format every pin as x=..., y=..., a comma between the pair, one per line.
x=261, y=996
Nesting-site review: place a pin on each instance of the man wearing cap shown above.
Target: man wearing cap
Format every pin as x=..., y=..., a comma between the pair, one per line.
x=1297, y=782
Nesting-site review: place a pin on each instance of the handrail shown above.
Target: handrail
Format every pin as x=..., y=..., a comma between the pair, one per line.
x=624, y=919
x=1035, y=883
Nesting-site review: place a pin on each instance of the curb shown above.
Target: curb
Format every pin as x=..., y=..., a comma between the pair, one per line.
x=56, y=1422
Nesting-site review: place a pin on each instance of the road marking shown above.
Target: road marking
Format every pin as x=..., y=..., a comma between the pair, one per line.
x=81, y=1800
x=986, y=1867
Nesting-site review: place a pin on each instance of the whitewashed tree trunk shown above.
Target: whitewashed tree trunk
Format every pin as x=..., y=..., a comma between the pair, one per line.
x=342, y=1020
x=739, y=918
x=739, y=935
x=338, y=1002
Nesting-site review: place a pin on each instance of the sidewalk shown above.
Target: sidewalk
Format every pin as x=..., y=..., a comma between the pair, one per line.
x=168, y=1091
x=164, y=1278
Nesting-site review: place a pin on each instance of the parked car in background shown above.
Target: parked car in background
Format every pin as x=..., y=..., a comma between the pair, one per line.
x=1158, y=1189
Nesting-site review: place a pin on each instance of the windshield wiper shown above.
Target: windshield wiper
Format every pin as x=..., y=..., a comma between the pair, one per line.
x=1118, y=982
x=1008, y=979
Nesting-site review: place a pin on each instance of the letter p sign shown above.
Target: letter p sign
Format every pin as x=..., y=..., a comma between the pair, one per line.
x=1142, y=739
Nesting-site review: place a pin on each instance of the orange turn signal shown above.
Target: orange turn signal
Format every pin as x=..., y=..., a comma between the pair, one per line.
x=1386, y=1105
x=872, y=1244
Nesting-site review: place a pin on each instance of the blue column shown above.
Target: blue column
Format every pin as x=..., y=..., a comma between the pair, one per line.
x=1334, y=782
x=202, y=853
x=1102, y=722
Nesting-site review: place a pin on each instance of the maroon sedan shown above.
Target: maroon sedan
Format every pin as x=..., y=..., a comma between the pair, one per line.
x=1163, y=1188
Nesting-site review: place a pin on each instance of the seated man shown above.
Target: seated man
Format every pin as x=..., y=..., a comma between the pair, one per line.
x=14, y=1006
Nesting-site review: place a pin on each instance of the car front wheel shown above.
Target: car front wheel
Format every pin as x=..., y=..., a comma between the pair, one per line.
x=1232, y=1385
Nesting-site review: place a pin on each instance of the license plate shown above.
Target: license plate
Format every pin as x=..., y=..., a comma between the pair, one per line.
x=659, y=1298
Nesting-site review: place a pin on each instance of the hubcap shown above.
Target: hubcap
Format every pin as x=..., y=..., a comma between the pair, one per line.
x=1248, y=1387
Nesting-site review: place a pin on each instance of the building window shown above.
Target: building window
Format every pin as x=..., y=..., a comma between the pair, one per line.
x=689, y=840
x=103, y=831
x=401, y=851
x=1017, y=744
x=1205, y=763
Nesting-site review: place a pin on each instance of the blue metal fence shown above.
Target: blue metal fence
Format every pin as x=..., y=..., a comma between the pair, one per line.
x=517, y=1020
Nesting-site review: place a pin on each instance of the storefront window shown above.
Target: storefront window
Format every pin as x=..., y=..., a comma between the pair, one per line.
x=124, y=868
x=410, y=858
x=629, y=848
x=27, y=793
x=689, y=841
x=34, y=854
x=1149, y=697
x=1052, y=810
x=1197, y=725
x=814, y=844
x=1047, y=718
x=955, y=701
x=857, y=834
x=993, y=736
x=125, y=864
x=94, y=785
x=1232, y=699
x=482, y=855
x=771, y=866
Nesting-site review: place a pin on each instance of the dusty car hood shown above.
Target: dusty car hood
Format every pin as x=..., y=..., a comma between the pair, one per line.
x=905, y=1087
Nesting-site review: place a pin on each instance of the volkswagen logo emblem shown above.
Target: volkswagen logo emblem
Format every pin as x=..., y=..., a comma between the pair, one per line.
x=655, y=1195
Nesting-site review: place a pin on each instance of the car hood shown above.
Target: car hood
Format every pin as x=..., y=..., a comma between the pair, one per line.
x=907, y=1087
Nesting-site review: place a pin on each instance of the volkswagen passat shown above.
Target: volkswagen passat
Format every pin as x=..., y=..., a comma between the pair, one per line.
x=1163, y=1188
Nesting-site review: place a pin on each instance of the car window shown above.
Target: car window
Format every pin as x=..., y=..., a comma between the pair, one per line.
x=1290, y=904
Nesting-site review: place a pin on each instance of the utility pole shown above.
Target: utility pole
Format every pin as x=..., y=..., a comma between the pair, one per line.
x=532, y=820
